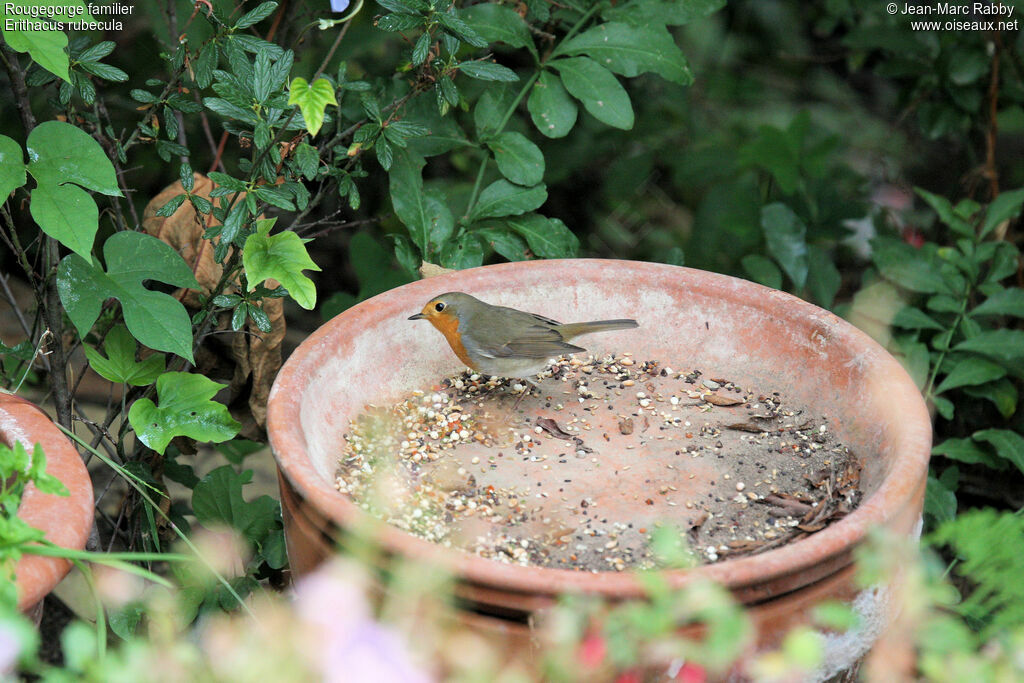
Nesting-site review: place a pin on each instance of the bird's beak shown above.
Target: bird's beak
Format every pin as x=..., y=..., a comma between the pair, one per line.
x=418, y=316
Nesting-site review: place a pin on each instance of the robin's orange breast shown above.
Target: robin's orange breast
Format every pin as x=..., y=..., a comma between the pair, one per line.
x=448, y=325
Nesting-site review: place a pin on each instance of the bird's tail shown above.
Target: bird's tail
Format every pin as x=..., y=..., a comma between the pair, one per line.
x=576, y=329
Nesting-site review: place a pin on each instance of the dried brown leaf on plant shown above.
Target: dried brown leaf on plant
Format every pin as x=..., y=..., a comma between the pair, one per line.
x=250, y=358
x=184, y=230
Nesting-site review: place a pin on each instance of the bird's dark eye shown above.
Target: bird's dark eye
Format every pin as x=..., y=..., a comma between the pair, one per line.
x=439, y=306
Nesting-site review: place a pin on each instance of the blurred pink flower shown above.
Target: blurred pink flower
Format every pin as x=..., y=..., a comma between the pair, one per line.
x=10, y=647
x=351, y=645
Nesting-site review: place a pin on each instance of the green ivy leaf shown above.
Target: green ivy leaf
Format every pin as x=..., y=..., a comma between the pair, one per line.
x=186, y=409
x=12, y=167
x=632, y=50
x=971, y=371
x=156, y=319
x=61, y=153
x=217, y=500
x=283, y=257
x=785, y=236
x=552, y=110
x=119, y=365
x=47, y=47
x=518, y=159
x=67, y=214
x=547, y=237
x=599, y=91
x=312, y=100
x=502, y=198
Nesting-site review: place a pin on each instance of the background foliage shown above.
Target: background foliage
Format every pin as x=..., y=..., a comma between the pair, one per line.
x=176, y=218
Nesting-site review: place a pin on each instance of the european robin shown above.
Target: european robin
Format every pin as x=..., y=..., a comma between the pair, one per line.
x=502, y=341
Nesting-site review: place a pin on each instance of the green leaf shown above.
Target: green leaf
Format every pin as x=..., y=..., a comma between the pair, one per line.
x=671, y=12
x=421, y=49
x=490, y=109
x=119, y=365
x=518, y=159
x=1008, y=301
x=945, y=212
x=502, y=198
x=48, y=46
x=823, y=278
x=1002, y=393
x=600, y=92
x=283, y=257
x=910, y=271
x=465, y=252
x=256, y=15
x=312, y=100
x=774, y=151
x=425, y=214
x=398, y=22
x=971, y=371
x=1008, y=444
x=552, y=110
x=547, y=237
x=504, y=242
x=785, y=236
x=499, y=24
x=67, y=214
x=12, y=167
x=217, y=500
x=105, y=71
x=967, y=451
x=61, y=153
x=454, y=26
x=911, y=318
x=307, y=158
x=763, y=270
x=1005, y=207
x=488, y=71
x=186, y=409
x=1003, y=345
x=156, y=319
x=939, y=501
x=632, y=50
x=124, y=620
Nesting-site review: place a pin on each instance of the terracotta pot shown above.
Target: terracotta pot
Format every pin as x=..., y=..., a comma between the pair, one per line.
x=753, y=335
x=65, y=520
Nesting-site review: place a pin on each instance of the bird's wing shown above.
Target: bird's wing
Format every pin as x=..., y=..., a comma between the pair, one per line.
x=535, y=341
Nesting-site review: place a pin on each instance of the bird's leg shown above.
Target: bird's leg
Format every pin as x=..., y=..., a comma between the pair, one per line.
x=530, y=386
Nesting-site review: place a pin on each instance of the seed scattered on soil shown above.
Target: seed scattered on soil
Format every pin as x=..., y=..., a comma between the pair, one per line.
x=609, y=453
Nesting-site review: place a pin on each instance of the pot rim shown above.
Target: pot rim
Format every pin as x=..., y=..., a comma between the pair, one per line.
x=895, y=492
x=66, y=521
